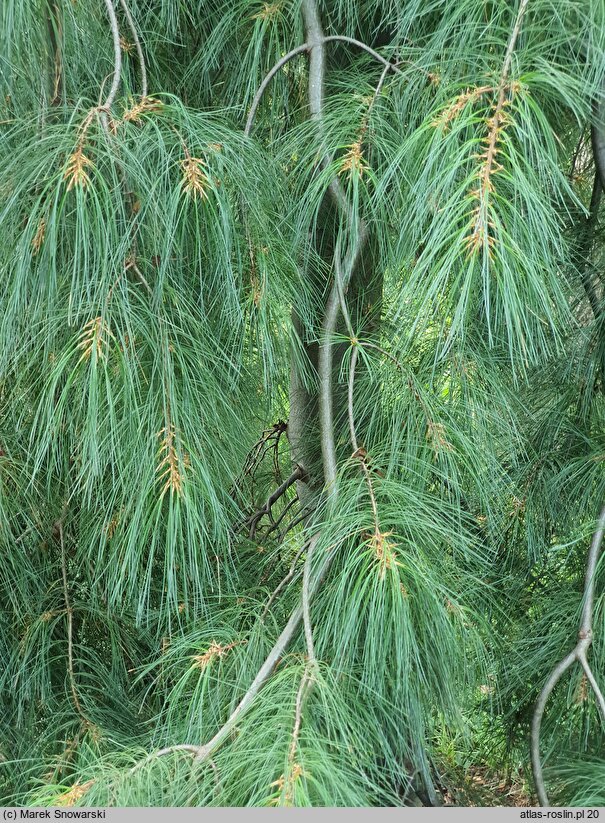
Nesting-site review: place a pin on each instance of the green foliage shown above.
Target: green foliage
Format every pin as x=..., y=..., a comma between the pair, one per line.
x=166, y=277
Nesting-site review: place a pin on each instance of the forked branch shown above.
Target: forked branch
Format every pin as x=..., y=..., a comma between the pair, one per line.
x=578, y=653
x=203, y=753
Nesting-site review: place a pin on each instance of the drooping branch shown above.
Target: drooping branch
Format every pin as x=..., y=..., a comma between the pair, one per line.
x=137, y=45
x=591, y=567
x=579, y=654
x=343, y=269
x=311, y=582
x=343, y=272
x=265, y=671
x=58, y=528
x=117, y=55
x=339, y=38
x=203, y=752
x=326, y=363
x=299, y=50
x=270, y=75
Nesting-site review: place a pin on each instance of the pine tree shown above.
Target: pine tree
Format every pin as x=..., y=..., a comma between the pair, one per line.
x=302, y=355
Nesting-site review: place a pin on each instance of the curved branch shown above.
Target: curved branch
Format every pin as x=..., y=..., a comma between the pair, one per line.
x=299, y=50
x=316, y=41
x=203, y=753
x=117, y=55
x=261, y=89
x=591, y=567
x=253, y=520
x=577, y=654
x=593, y=683
x=138, y=46
x=353, y=42
x=317, y=71
x=265, y=671
x=536, y=762
x=315, y=44
x=344, y=271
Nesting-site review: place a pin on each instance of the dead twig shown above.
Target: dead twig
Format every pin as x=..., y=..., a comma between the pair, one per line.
x=275, y=526
x=269, y=439
x=132, y=264
x=253, y=520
